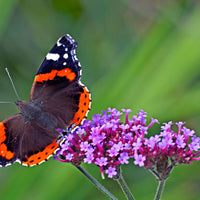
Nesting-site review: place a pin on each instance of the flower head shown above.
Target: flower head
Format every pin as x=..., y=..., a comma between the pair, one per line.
x=107, y=141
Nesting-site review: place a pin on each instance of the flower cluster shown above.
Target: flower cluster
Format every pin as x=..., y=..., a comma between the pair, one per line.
x=108, y=142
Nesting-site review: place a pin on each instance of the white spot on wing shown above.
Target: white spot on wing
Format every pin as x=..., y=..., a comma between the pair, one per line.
x=65, y=55
x=58, y=43
x=64, y=63
x=52, y=56
x=66, y=49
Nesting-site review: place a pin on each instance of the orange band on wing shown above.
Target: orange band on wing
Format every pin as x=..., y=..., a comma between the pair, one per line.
x=41, y=156
x=83, y=107
x=68, y=73
x=4, y=152
x=2, y=132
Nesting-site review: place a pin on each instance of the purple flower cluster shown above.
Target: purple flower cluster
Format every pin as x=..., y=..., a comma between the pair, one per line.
x=108, y=142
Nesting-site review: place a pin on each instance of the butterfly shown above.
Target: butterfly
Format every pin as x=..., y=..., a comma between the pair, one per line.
x=58, y=100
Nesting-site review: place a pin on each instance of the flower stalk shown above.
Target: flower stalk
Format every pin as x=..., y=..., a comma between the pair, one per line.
x=160, y=189
x=122, y=183
x=96, y=183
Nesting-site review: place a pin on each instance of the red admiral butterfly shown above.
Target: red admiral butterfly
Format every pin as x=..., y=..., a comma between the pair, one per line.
x=58, y=100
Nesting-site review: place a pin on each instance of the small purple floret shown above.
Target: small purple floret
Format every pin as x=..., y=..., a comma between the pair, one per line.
x=111, y=171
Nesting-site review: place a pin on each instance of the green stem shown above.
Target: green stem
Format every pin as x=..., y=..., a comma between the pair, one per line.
x=120, y=180
x=124, y=187
x=96, y=183
x=155, y=173
x=160, y=189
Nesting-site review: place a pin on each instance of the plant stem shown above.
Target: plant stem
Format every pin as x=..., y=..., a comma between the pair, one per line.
x=124, y=187
x=96, y=183
x=155, y=173
x=120, y=180
x=160, y=189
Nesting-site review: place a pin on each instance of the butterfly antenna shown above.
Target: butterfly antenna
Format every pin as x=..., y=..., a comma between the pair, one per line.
x=6, y=102
x=12, y=83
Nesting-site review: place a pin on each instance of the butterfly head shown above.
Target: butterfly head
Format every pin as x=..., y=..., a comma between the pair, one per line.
x=20, y=104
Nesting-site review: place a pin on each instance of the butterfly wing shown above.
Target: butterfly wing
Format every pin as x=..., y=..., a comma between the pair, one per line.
x=26, y=143
x=57, y=84
x=7, y=154
x=58, y=92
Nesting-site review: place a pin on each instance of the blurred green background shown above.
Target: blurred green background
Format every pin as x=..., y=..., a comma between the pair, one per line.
x=134, y=54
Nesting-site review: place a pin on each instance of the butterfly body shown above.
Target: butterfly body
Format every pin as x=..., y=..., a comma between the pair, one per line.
x=58, y=100
x=32, y=111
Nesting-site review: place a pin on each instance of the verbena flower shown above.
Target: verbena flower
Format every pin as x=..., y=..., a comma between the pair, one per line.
x=107, y=142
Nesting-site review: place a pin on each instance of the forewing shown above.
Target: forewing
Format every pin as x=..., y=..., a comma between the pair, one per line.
x=57, y=85
x=59, y=66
